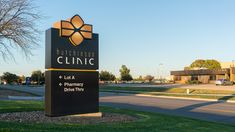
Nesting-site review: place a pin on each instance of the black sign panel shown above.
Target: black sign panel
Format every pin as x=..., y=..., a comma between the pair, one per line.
x=60, y=53
x=72, y=61
x=69, y=92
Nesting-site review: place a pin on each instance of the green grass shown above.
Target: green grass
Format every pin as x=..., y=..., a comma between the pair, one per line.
x=176, y=92
x=15, y=106
x=147, y=121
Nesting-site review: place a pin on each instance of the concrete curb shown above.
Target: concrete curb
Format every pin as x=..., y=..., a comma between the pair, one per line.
x=170, y=97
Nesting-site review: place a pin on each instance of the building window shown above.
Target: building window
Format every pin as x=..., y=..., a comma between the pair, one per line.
x=212, y=77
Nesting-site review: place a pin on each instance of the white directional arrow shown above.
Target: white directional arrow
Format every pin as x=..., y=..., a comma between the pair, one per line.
x=60, y=77
x=60, y=84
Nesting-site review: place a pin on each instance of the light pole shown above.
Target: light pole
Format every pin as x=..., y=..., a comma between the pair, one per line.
x=160, y=71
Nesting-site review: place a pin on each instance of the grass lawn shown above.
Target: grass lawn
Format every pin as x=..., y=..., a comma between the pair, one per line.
x=147, y=121
x=176, y=92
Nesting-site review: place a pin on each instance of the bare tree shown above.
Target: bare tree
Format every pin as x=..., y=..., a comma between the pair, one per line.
x=18, y=19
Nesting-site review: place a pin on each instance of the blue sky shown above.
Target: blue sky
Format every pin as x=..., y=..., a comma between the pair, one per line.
x=143, y=34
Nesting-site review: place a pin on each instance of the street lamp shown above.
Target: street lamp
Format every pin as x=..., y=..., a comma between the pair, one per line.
x=160, y=70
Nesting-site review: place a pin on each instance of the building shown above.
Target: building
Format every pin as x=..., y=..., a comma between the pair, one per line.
x=227, y=71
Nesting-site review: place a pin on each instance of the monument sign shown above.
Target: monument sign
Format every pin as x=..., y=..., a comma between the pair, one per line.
x=72, y=61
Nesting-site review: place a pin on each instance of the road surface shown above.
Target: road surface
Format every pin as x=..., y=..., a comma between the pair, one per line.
x=206, y=110
x=37, y=90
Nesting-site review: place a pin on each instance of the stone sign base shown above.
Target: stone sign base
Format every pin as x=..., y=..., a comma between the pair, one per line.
x=98, y=114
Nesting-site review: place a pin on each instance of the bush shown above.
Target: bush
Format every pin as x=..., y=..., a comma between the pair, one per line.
x=193, y=82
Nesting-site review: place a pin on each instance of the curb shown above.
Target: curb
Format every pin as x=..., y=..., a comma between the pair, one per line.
x=170, y=97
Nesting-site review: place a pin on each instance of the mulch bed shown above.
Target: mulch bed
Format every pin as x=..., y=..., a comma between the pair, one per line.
x=39, y=117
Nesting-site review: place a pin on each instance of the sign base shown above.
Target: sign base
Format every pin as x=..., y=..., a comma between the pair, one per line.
x=98, y=114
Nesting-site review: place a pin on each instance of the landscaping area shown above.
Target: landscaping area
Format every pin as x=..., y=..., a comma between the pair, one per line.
x=223, y=95
x=144, y=121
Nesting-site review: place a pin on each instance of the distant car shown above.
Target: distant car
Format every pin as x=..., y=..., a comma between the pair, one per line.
x=223, y=82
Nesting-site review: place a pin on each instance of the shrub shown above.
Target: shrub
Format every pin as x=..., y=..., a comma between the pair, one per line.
x=193, y=82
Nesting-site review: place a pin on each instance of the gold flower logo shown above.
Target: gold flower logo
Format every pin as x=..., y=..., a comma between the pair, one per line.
x=74, y=29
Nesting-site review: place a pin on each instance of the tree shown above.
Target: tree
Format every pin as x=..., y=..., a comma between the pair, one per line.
x=125, y=73
x=209, y=64
x=18, y=27
x=36, y=76
x=21, y=79
x=149, y=78
x=106, y=76
x=140, y=78
x=9, y=77
x=198, y=64
x=42, y=79
x=213, y=64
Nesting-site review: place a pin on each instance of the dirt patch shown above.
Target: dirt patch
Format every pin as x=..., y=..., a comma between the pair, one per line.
x=39, y=117
x=5, y=93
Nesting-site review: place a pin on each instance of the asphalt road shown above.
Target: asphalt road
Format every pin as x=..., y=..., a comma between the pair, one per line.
x=206, y=110
x=37, y=90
